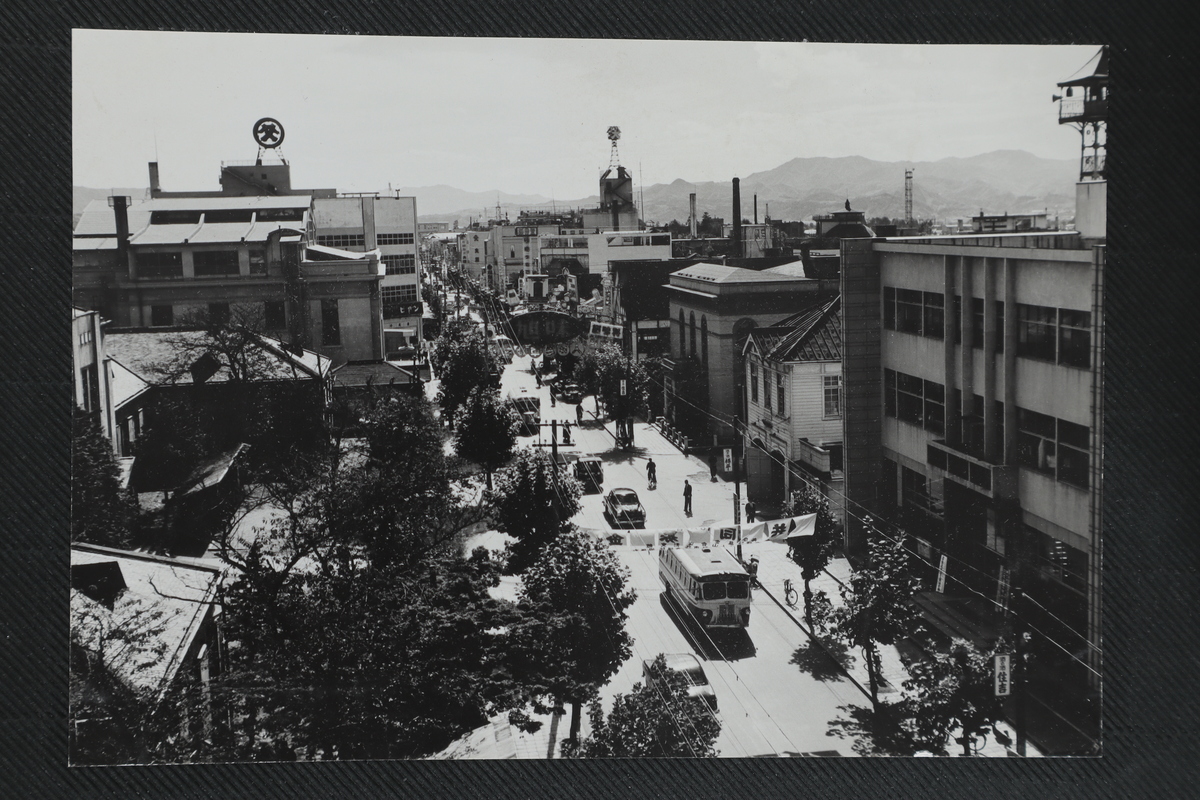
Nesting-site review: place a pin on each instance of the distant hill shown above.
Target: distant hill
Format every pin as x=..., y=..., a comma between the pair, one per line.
x=446, y=202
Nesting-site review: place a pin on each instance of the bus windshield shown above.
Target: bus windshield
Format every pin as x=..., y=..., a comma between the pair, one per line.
x=714, y=591
x=738, y=590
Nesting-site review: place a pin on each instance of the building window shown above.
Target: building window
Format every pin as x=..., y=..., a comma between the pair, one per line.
x=218, y=313
x=393, y=238
x=162, y=316
x=341, y=241
x=160, y=265
x=889, y=308
x=1074, y=338
x=1036, y=337
x=833, y=395
x=396, y=297
x=91, y=388
x=405, y=264
x=908, y=311
x=934, y=318
x=911, y=311
x=692, y=334
x=779, y=392
x=977, y=324
x=274, y=315
x=766, y=388
x=682, y=335
x=215, y=263
x=258, y=262
x=1053, y=447
x=331, y=326
x=86, y=337
x=916, y=401
x=754, y=383
x=1059, y=561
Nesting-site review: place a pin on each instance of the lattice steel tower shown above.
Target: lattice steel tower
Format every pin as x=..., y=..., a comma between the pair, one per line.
x=908, y=215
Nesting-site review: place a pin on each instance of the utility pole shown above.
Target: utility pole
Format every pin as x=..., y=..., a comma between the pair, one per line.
x=1019, y=672
x=737, y=488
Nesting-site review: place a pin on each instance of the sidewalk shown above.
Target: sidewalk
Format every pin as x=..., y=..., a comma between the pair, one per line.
x=774, y=566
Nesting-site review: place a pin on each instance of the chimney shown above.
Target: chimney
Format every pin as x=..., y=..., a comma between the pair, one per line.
x=120, y=207
x=755, y=209
x=155, y=189
x=737, y=217
x=692, y=218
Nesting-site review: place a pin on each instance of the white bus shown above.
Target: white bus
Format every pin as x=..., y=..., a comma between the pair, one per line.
x=708, y=583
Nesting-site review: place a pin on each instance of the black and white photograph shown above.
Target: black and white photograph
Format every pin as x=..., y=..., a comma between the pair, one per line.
x=445, y=398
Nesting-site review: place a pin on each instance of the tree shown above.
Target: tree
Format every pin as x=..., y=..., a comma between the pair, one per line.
x=877, y=606
x=658, y=719
x=463, y=361
x=486, y=430
x=604, y=372
x=533, y=500
x=812, y=553
x=101, y=511
x=578, y=586
x=952, y=690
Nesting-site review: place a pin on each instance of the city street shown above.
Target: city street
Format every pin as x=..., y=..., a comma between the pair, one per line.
x=767, y=704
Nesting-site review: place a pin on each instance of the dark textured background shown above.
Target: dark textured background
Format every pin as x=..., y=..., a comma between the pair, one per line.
x=1150, y=705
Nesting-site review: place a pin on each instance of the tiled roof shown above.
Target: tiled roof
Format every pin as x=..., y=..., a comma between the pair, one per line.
x=145, y=353
x=814, y=334
x=378, y=373
x=164, y=603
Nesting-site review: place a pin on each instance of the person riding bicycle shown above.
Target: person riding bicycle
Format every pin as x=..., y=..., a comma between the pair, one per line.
x=652, y=473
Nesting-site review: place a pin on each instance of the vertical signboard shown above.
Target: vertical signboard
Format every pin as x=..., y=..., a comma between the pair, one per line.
x=727, y=459
x=1003, y=675
x=941, y=578
x=1003, y=584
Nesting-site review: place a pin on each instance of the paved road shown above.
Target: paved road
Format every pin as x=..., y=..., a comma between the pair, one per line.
x=767, y=704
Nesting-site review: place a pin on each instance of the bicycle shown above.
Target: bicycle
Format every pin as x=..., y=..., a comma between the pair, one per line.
x=789, y=593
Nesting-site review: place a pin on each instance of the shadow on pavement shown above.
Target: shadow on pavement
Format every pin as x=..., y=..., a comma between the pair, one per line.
x=717, y=644
x=874, y=733
x=825, y=663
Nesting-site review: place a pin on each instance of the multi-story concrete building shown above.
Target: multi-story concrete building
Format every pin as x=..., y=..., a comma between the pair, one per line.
x=794, y=406
x=92, y=371
x=368, y=223
x=155, y=263
x=713, y=310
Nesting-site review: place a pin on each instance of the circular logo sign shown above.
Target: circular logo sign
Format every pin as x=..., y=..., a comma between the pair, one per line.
x=268, y=133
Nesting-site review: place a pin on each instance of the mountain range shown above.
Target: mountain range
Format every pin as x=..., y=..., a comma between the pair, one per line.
x=1012, y=181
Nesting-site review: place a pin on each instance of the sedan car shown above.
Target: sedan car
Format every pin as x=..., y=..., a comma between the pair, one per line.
x=623, y=508
x=689, y=667
x=569, y=392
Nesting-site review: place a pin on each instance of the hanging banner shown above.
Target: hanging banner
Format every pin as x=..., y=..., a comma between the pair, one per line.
x=780, y=530
x=941, y=578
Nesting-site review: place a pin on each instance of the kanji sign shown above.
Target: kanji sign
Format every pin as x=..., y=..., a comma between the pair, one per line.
x=727, y=459
x=1003, y=675
x=268, y=133
x=941, y=578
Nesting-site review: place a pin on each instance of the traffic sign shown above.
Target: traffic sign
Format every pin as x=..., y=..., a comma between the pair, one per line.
x=622, y=387
x=1003, y=674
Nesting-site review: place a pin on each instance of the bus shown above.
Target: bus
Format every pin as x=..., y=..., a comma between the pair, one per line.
x=503, y=347
x=528, y=407
x=708, y=583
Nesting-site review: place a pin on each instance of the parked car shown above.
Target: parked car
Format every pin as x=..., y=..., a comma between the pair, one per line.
x=687, y=665
x=590, y=472
x=624, y=508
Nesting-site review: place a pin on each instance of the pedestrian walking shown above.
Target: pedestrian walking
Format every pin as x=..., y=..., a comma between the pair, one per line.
x=750, y=509
x=566, y=432
x=652, y=473
x=687, y=498
x=579, y=413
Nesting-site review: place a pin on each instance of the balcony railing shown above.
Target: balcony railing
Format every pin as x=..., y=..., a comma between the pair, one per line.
x=993, y=480
x=1071, y=109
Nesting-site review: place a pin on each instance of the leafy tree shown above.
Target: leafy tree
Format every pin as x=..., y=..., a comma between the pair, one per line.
x=533, y=500
x=877, y=606
x=101, y=512
x=463, y=361
x=812, y=553
x=578, y=586
x=952, y=690
x=655, y=720
x=486, y=430
x=601, y=372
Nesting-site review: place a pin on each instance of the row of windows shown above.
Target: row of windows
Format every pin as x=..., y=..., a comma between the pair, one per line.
x=1060, y=335
x=274, y=315
x=205, y=263
x=214, y=263
x=341, y=240
x=395, y=297
x=393, y=238
x=691, y=337
x=400, y=265
x=766, y=388
x=1045, y=444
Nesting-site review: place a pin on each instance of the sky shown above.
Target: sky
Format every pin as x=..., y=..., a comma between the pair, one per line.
x=530, y=116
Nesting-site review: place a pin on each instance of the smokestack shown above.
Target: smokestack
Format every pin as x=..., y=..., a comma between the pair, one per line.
x=737, y=217
x=756, y=209
x=692, y=217
x=154, y=187
x=120, y=207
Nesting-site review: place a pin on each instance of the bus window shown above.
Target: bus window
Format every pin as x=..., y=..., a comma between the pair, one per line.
x=738, y=590
x=714, y=591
